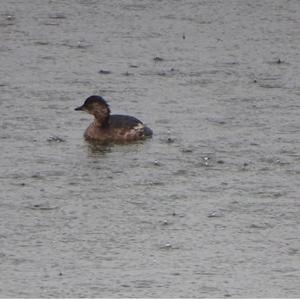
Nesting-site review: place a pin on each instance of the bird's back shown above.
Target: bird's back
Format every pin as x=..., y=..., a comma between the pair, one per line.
x=119, y=128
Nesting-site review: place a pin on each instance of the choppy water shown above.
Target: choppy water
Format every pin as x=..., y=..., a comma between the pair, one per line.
x=209, y=207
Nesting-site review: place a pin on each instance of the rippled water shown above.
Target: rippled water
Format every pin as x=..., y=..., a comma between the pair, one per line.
x=209, y=207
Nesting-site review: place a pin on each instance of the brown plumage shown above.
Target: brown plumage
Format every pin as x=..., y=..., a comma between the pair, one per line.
x=107, y=128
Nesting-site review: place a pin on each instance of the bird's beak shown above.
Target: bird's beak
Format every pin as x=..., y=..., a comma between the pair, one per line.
x=80, y=108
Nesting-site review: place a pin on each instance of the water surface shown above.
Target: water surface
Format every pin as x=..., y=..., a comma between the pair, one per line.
x=209, y=207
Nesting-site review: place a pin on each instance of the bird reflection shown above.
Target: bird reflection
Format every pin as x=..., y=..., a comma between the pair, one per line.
x=97, y=149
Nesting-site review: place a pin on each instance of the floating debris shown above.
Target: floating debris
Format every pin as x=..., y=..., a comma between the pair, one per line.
x=158, y=59
x=165, y=222
x=187, y=150
x=258, y=226
x=162, y=74
x=156, y=163
x=41, y=43
x=127, y=74
x=170, y=140
x=166, y=246
x=104, y=72
x=37, y=176
x=55, y=139
x=42, y=207
x=214, y=214
x=8, y=21
x=277, y=61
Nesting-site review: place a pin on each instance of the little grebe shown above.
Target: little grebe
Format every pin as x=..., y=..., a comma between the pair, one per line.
x=107, y=128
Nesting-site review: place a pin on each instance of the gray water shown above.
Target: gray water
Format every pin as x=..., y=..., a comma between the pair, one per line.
x=209, y=207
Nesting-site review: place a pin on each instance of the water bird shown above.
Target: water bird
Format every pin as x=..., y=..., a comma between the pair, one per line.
x=111, y=128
